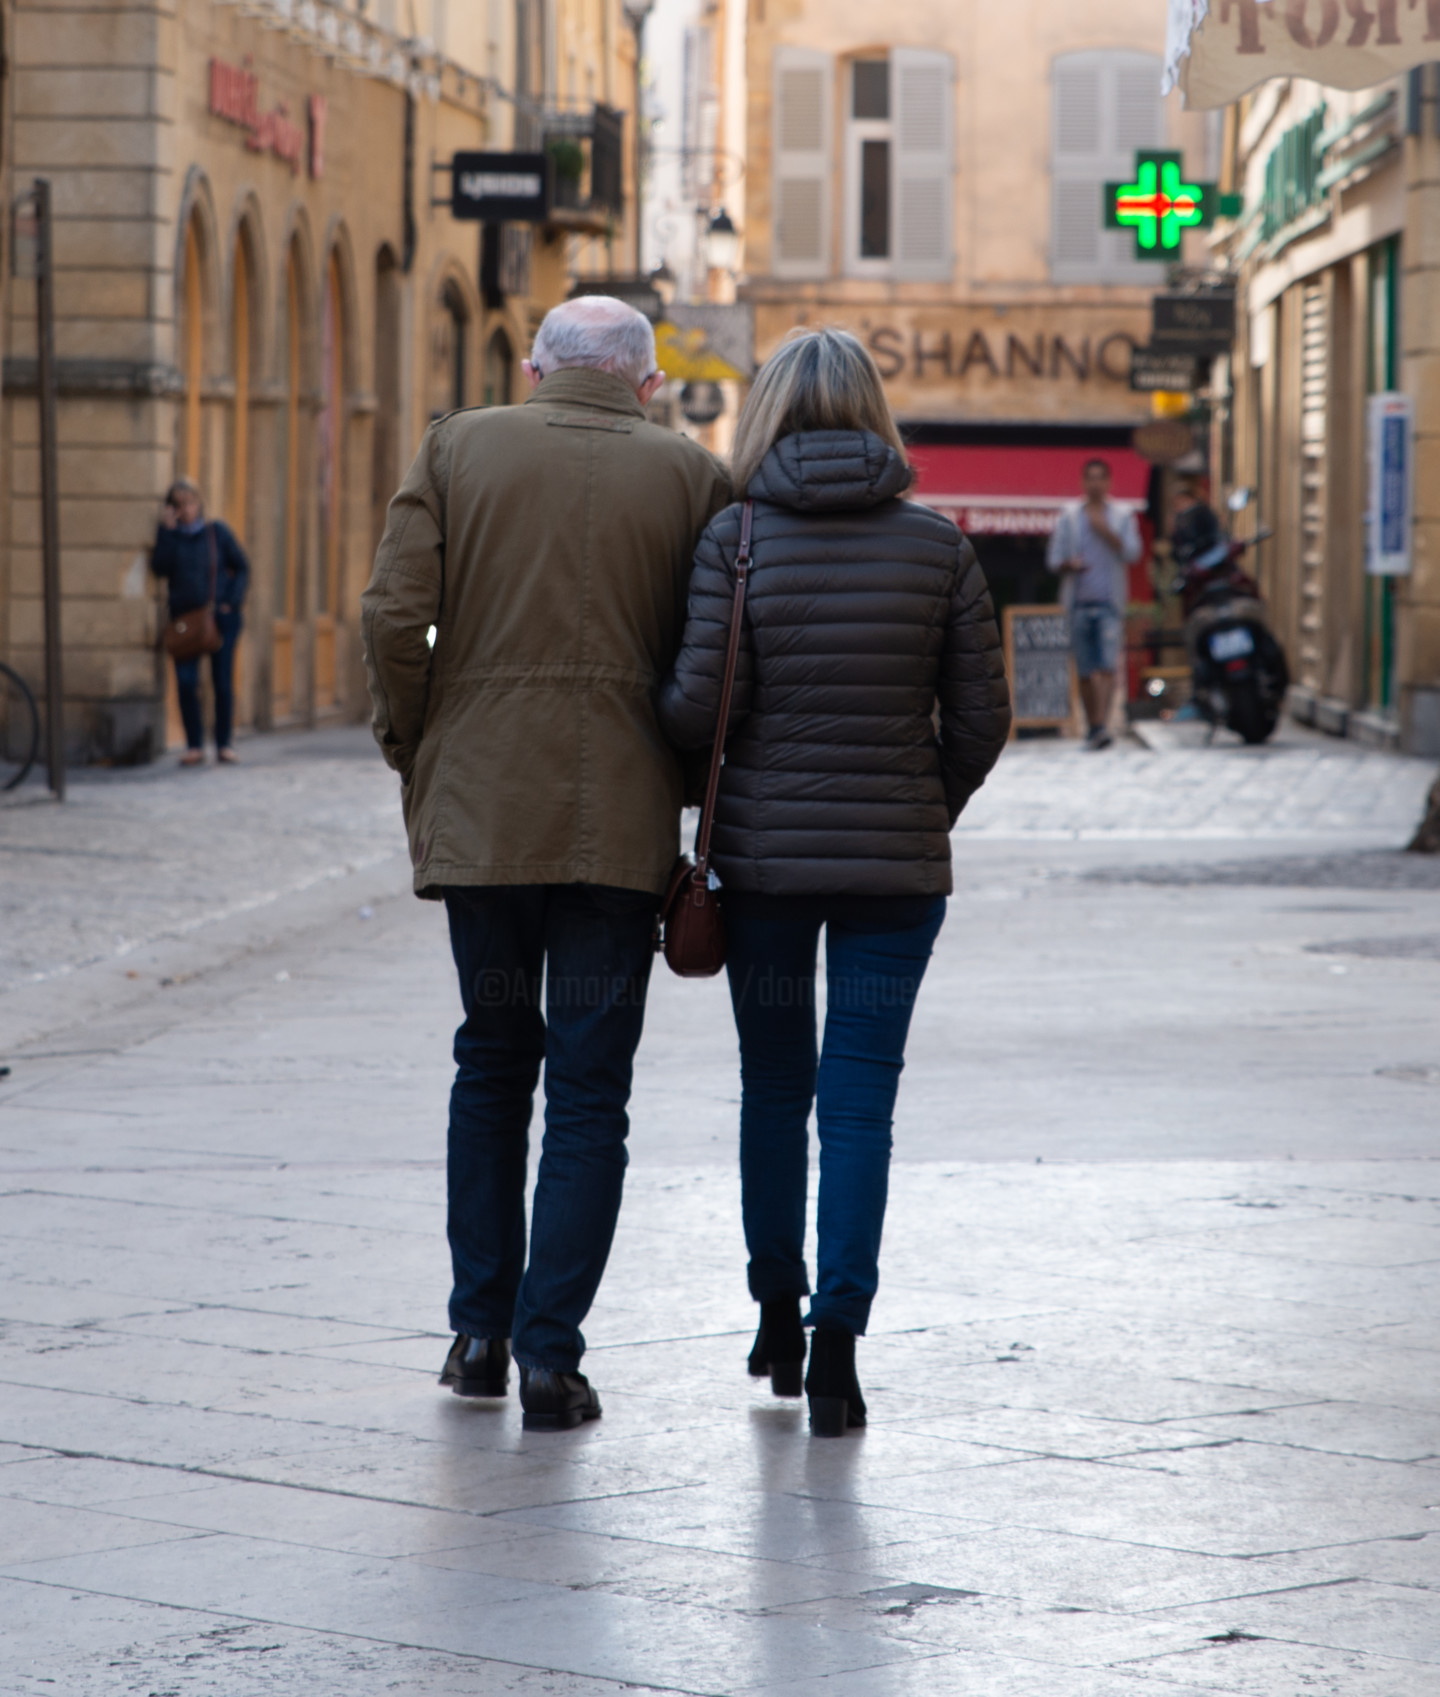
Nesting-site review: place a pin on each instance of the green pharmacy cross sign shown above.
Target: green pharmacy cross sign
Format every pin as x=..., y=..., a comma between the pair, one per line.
x=1159, y=205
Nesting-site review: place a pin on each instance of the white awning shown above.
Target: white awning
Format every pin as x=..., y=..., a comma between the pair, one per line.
x=1216, y=50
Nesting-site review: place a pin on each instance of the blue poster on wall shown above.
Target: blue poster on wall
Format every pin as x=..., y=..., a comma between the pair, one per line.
x=1388, y=508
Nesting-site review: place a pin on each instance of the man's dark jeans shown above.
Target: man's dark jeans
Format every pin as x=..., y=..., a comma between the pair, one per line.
x=222, y=684
x=872, y=978
x=594, y=946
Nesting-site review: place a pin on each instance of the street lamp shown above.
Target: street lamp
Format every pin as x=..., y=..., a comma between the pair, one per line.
x=722, y=242
x=636, y=12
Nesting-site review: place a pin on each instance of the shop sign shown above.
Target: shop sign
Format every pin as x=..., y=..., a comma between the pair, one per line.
x=500, y=188
x=1202, y=323
x=1217, y=50
x=1389, y=510
x=1160, y=371
x=235, y=98
x=1158, y=206
x=1045, y=357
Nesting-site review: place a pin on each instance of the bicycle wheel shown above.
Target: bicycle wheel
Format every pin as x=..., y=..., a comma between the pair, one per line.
x=19, y=729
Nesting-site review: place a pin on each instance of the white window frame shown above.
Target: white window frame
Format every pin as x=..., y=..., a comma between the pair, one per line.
x=857, y=132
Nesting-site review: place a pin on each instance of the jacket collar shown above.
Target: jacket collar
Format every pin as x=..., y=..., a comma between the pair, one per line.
x=579, y=386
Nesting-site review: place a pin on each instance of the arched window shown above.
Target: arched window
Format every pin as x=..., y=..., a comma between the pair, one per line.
x=499, y=370
x=448, y=351
x=1104, y=105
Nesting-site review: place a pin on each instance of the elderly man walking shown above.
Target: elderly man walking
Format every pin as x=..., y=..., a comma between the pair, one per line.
x=546, y=549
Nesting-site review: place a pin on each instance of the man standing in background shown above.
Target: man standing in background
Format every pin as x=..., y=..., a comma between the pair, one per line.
x=1093, y=547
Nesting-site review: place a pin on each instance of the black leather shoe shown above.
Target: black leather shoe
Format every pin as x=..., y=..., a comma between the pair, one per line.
x=831, y=1385
x=553, y=1401
x=477, y=1366
x=779, y=1350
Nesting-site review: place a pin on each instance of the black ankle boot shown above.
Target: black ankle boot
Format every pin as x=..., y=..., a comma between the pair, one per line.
x=831, y=1385
x=779, y=1346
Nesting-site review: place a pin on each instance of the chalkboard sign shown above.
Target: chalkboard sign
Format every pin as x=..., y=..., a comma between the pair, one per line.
x=1038, y=664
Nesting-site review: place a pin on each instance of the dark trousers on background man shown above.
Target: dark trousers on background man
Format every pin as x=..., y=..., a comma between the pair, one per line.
x=593, y=947
x=222, y=685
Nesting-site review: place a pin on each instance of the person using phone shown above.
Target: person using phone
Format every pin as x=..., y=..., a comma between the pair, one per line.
x=202, y=562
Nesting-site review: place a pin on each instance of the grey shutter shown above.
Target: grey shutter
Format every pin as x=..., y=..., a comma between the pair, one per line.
x=923, y=108
x=1105, y=105
x=803, y=175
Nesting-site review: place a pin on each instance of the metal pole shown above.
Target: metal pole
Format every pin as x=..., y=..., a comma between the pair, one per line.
x=49, y=489
x=639, y=140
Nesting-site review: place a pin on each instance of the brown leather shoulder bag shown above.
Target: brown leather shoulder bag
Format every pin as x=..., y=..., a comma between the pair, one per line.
x=196, y=632
x=692, y=924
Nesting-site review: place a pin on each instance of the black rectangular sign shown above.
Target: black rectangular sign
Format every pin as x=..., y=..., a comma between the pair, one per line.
x=1194, y=324
x=1153, y=370
x=1037, y=663
x=500, y=188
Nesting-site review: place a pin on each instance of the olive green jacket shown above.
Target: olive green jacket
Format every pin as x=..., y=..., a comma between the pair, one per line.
x=550, y=545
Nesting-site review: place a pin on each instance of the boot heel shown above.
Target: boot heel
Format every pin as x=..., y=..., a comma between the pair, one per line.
x=787, y=1378
x=828, y=1416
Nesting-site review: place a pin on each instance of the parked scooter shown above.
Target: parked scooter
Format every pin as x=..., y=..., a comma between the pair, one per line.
x=1239, y=672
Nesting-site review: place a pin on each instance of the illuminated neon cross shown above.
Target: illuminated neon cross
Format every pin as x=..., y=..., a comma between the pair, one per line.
x=1159, y=205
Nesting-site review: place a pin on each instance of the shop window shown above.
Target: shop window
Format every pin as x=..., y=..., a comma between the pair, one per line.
x=1104, y=106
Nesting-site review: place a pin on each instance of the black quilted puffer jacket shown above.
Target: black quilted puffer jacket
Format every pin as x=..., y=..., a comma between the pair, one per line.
x=864, y=614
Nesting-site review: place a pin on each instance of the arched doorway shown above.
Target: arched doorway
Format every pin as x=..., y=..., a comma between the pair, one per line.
x=384, y=459
x=289, y=539
x=329, y=441
x=499, y=370
x=193, y=354
x=237, y=481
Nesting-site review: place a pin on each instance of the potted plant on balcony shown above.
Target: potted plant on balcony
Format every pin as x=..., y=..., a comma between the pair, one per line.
x=568, y=158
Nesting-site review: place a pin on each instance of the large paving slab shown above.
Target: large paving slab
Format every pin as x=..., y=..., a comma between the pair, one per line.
x=1153, y=1374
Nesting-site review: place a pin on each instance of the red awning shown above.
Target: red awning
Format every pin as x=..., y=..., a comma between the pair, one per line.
x=1011, y=491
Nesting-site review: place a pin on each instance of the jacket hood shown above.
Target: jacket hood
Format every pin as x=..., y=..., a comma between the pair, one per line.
x=826, y=471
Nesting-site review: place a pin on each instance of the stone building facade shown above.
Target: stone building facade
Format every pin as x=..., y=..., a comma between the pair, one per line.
x=259, y=284
x=931, y=178
x=1336, y=257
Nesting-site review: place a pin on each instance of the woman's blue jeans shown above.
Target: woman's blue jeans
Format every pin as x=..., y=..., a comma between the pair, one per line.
x=872, y=978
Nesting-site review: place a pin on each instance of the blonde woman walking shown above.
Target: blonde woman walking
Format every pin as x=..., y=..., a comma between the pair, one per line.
x=870, y=703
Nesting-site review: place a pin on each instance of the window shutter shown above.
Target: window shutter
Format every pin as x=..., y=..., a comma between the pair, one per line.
x=803, y=189
x=1105, y=105
x=923, y=104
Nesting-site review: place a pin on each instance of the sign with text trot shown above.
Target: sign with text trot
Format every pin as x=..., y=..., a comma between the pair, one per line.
x=500, y=188
x=1159, y=205
x=1389, y=509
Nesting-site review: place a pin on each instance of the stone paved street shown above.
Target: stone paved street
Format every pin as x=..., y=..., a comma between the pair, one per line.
x=1152, y=1374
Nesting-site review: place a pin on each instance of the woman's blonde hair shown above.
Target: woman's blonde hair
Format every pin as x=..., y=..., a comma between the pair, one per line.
x=815, y=380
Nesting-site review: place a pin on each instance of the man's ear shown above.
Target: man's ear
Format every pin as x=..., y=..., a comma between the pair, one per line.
x=530, y=372
x=650, y=388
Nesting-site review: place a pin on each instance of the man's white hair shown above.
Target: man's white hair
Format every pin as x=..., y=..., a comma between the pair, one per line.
x=599, y=332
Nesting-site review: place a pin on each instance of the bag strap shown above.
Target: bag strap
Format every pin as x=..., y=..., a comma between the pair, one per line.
x=214, y=562
x=727, y=690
